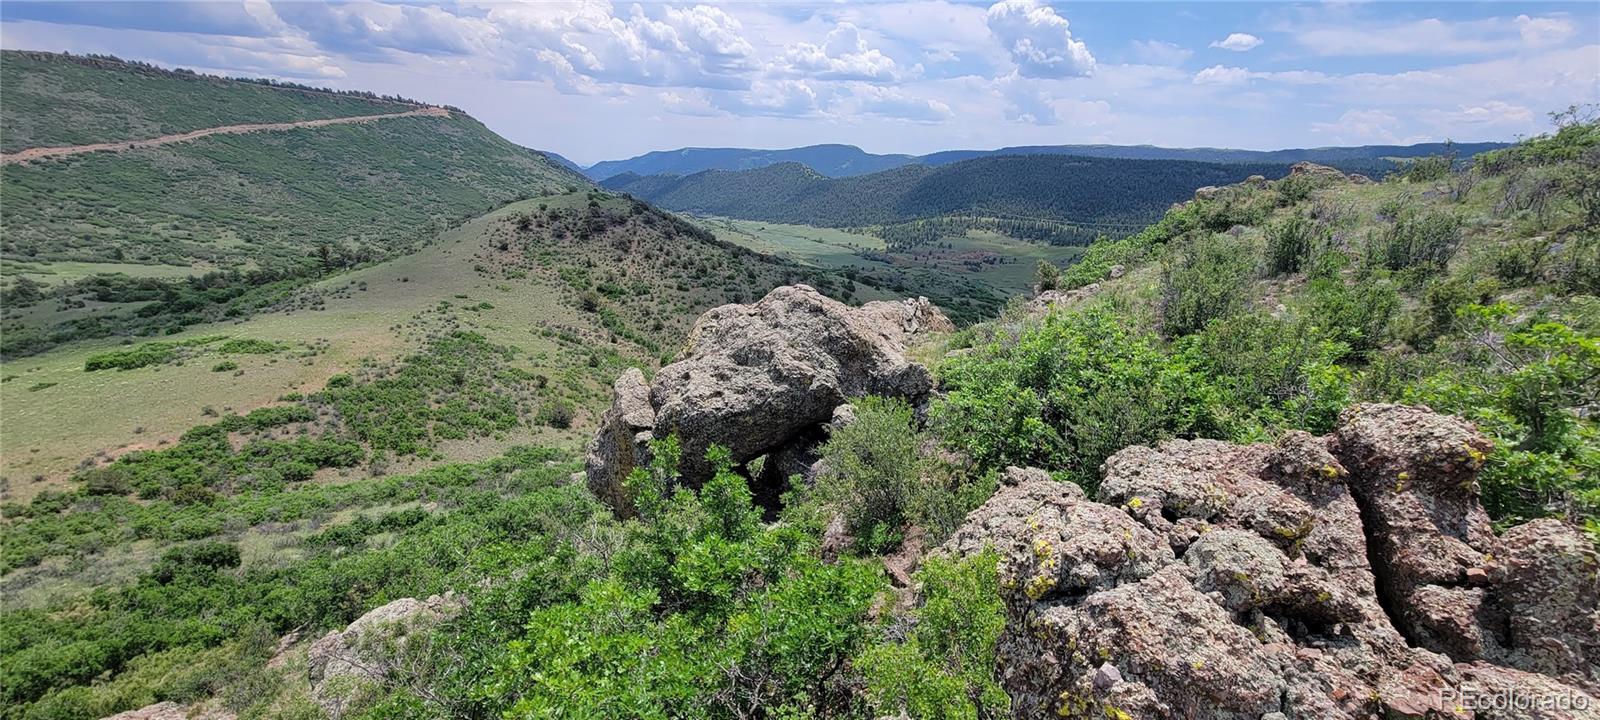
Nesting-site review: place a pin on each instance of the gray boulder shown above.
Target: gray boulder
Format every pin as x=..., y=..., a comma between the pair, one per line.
x=758, y=378
x=343, y=667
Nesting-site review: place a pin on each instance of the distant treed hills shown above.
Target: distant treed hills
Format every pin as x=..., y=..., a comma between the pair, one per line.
x=848, y=160
x=829, y=160
x=1112, y=194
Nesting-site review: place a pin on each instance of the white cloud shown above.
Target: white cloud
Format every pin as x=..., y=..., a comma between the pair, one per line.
x=698, y=47
x=1026, y=102
x=1435, y=37
x=894, y=103
x=1156, y=52
x=777, y=98
x=843, y=56
x=373, y=30
x=1366, y=127
x=1492, y=112
x=1544, y=31
x=1238, y=42
x=1040, y=41
x=1222, y=75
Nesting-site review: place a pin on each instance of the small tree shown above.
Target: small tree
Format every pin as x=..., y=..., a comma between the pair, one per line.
x=1048, y=276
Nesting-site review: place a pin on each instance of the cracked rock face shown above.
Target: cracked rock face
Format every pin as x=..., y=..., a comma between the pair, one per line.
x=1213, y=580
x=760, y=378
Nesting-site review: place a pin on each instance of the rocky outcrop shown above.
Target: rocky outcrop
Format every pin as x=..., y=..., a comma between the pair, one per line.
x=171, y=711
x=1295, y=580
x=343, y=666
x=762, y=380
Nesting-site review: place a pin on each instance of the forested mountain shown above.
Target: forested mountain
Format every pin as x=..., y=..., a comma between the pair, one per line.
x=830, y=160
x=847, y=160
x=1092, y=192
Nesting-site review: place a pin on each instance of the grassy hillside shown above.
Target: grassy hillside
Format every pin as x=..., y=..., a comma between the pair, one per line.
x=561, y=280
x=54, y=100
x=1087, y=192
x=248, y=216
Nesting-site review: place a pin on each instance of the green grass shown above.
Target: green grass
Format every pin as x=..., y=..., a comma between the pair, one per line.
x=54, y=100
x=53, y=273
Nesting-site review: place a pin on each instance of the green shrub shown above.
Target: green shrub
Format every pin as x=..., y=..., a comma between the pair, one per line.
x=1291, y=243
x=1047, y=276
x=248, y=346
x=1202, y=280
x=1066, y=393
x=876, y=475
x=1270, y=375
x=945, y=668
x=1416, y=240
x=225, y=366
x=1517, y=263
x=1356, y=313
x=1524, y=382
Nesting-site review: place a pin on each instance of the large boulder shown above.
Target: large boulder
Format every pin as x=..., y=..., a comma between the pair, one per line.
x=343, y=667
x=1207, y=579
x=759, y=378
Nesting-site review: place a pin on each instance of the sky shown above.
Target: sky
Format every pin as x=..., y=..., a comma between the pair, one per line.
x=600, y=80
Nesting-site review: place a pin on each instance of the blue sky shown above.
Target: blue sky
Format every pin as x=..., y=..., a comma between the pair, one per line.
x=600, y=80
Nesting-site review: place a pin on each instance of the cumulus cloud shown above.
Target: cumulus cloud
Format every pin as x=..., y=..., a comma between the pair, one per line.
x=1238, y=42
x=1156, y=52
x=700, y=46
x=779, y=98
x=1039, y=41
x=1543, y=31
x=1365, y=126
x=372, y=30
x=894, y=103
x=844, y=55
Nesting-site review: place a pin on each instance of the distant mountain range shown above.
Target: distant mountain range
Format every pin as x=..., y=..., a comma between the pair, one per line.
x=848, y=160
x=1110, y=194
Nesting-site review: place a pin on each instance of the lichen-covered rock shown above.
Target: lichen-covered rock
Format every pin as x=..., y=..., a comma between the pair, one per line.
x=1235, y=582
x=1549, y=595
x=1055, y=543
x=622, y=442
x=343, y=666
x=756, y=378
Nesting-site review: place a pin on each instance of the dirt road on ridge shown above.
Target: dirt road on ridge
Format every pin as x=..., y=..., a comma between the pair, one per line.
x=22, y=156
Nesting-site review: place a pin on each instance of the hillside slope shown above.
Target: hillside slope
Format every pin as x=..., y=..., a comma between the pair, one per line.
x=247, y=216
x=1085, y=191
x=54, y=100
